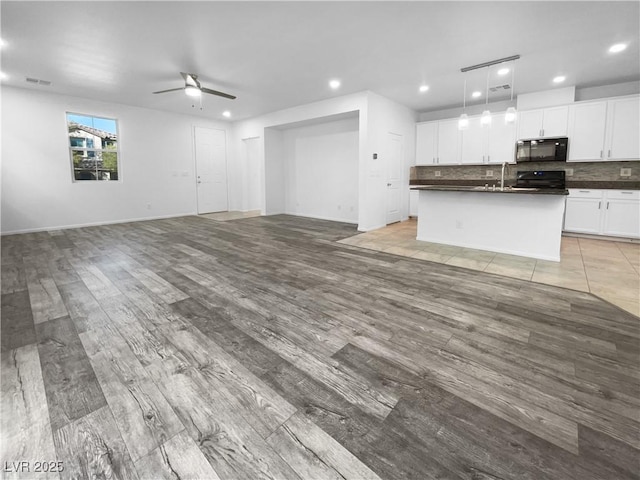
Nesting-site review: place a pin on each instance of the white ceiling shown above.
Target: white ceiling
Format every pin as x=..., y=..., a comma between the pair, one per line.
x=274, y=55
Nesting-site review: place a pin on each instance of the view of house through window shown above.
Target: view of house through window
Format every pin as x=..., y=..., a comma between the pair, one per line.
x=93, y=145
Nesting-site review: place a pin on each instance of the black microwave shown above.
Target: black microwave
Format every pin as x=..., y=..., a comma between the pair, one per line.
x=542, y=150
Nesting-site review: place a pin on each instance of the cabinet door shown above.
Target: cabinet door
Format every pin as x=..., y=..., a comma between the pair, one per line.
x=502, y=141
x=555, y=122
x=623, y=136
x=622, y=218
x=474, y=142
x=426, y=143
x=587, y=123
x=413, y=203
x=530, y=124
x=448, y=142
x=583, y=215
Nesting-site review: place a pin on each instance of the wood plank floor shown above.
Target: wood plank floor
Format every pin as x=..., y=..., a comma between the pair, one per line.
x=261, y=348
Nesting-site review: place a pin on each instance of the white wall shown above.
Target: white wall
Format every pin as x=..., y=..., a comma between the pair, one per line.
x=377, y=116
x=274, y=176
x=256, y=127
x=321, y=163
x=156, y=164
x=385, y=116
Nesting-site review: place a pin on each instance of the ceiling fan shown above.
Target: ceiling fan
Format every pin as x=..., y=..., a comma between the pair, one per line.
x=193, y=89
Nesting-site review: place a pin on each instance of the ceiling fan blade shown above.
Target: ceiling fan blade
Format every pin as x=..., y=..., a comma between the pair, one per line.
x=215, y=92
x=190, y=79
x=170, y=90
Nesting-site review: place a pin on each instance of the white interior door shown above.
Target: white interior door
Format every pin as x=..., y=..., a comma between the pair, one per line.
x=394, y=177
x=211, y=170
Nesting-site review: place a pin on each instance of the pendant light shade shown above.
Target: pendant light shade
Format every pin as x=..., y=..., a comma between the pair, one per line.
x=485, y=119
x=463, y=122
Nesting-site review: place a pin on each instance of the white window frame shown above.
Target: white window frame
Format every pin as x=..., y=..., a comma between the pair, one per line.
x=96, y=151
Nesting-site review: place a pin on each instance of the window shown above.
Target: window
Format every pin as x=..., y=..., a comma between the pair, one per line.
x=93, y=147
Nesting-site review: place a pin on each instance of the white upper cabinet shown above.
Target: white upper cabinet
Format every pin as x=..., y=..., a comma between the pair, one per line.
x=438, y=143
x=623, y=129
x=604, y=130
x=587, y=124
x=448, y=142
x=474, y=142
x=543, y=122
x=426, y=143
x=502, y=141
x=494, y=144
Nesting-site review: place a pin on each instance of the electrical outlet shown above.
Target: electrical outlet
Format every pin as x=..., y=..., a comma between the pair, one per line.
x=569, y=172
x=489, y=173
x=437, y=173
x=625, y=172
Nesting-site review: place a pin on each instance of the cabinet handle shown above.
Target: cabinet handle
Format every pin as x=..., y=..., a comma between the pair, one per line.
x=437, y=159
x=607, y=205
x=488, y=158
x=482, y=158
x=609, y=154
x=627, y=193
x=599, y=205
x=601, y=153
x=584, y=191
x=542, y=132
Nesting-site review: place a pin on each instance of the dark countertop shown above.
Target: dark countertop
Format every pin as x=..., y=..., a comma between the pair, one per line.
x=481, y=189
x=615, y=185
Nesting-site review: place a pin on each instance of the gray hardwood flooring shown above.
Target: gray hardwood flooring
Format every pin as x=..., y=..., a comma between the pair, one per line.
x=261, y=348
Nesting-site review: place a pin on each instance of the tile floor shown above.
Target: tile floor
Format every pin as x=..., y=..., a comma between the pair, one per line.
x=605, y=268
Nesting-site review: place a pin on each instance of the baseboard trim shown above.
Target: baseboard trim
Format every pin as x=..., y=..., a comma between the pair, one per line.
x=95, y=224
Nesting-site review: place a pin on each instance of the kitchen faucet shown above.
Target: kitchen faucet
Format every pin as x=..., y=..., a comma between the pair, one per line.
x=504, y=164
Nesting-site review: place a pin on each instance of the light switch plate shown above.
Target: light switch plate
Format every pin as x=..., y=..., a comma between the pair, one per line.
x=625, y=172
x=489, y=173
x=437, y=174
x=569, y=172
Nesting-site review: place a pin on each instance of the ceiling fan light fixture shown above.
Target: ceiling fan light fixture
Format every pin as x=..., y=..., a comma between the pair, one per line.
x=192, y=91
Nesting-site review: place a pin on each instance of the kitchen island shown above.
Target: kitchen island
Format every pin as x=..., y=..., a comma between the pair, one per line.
x=517, y=221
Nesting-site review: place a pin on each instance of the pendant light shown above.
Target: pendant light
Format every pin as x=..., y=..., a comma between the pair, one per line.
x=485, y=119
x=463, y=121
x=511, y=114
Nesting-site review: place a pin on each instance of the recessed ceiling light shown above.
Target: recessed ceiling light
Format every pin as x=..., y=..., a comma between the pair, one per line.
x=226, y=113
x=423, y=88
x=476, y=94
x=334, y=84
x=503, y=71
x=618, y=47
x=559, y=79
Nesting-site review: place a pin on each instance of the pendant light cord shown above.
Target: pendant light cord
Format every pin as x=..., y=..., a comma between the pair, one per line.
x=464, y=96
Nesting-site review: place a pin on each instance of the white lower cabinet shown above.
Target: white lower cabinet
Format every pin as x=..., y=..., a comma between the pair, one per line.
x=603, y=212
x=413, y=203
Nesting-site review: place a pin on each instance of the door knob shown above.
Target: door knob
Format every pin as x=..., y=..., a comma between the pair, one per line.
x=388, y=184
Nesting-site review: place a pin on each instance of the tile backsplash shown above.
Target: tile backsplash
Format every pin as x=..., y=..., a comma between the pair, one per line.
x=582, y=171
